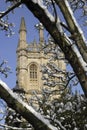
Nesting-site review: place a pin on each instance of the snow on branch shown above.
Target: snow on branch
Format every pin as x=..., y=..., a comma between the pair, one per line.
x=40, y=11
x=4, y=24
x=4, y=13
x=4, y=69
x=25, y=110
x=74, y=27
x=76, y=4
x=60, y=35
x=6, y=127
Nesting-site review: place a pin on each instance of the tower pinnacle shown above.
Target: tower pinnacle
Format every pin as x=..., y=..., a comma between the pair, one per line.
x=41, y=32
x=22, y=25
x=22, y=56
x=22, y=33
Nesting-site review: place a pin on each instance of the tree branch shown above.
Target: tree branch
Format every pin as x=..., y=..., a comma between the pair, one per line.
x=74, y=28
x=71, y=52
x=10, y=9
x=13, y=101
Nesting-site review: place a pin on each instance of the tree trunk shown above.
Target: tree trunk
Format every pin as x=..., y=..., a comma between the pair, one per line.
x=74, y=28
x=71, y=52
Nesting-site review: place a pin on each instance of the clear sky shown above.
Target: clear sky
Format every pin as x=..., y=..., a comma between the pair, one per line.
x=8, y=45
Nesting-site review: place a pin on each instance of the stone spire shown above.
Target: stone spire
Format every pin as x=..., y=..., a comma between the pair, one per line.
x=22, y=25
x=22, y=56
x=22, y=35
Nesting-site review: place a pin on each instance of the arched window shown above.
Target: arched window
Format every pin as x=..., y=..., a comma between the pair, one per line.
x=33, y=72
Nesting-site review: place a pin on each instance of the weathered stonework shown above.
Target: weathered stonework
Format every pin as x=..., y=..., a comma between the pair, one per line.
x=30, y=57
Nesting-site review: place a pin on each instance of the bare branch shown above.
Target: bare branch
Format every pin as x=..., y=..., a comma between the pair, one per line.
x=2, y=14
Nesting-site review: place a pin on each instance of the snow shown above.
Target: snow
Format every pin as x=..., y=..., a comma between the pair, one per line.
x=75, y=49
x=68, y=106
x=75, y=22
x=29, y=108
x=83, y=63
x=40, y=3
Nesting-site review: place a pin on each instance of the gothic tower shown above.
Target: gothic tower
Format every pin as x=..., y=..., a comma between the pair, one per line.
x=22, y=56
x=30, y=58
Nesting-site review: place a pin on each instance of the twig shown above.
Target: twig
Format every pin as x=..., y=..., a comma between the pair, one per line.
x=10, y=9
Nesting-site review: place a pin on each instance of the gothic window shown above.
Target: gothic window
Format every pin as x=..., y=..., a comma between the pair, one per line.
x=33, y=72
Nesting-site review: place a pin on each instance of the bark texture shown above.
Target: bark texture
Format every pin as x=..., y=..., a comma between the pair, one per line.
x=70, y=53
x=75, y=30
x=13, y=101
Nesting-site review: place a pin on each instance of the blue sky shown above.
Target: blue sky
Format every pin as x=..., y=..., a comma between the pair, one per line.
x=8, y=45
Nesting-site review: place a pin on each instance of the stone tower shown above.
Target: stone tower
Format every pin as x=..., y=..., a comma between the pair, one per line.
x=22, y=57
x=30, y=58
